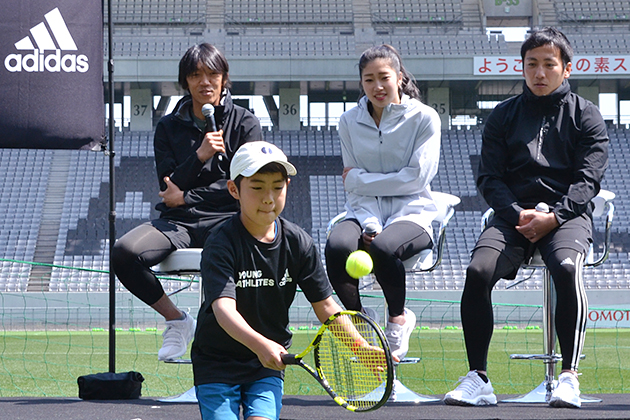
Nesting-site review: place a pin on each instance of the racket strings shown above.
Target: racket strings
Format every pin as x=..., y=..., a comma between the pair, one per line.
x=357, y=373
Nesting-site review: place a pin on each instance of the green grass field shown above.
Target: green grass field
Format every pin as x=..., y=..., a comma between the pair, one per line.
x=48, y=363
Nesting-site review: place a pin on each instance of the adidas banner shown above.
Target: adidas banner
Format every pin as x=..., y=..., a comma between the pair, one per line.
x=51, y=74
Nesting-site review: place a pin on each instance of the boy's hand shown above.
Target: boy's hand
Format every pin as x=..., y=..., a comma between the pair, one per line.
x=373, y=358
x=270, y=355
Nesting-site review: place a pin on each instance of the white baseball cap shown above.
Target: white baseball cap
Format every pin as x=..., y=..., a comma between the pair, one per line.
x=252, y=156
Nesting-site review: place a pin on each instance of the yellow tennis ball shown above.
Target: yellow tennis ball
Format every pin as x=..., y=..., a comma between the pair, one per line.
x=359, y=264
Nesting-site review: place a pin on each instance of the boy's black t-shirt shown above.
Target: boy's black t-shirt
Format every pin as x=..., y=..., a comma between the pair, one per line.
x=262, y=278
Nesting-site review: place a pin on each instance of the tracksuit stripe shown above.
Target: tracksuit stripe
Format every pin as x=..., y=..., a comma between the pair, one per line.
x=582, y=313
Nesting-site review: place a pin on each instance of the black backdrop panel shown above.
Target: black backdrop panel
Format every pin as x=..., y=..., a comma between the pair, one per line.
x=51, y=74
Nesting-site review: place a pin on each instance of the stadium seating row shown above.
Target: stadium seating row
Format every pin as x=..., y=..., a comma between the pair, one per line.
x=327, y=27
x=158, y=12
x=408, y=11
x=591, y=10
x=288, y=11
x=346, y=45
x=189, y=12
x=274, y=45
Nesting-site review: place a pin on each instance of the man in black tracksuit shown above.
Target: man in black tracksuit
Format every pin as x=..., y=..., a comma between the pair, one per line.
x=193, y=167
x=547, y=145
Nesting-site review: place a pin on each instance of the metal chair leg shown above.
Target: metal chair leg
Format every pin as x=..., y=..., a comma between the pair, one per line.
x=542, y=393
x=401, y=393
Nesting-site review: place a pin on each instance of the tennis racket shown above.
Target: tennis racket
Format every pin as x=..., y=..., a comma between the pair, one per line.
x=352, y=360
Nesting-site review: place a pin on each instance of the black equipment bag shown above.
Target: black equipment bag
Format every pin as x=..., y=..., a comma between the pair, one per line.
x=110, y=386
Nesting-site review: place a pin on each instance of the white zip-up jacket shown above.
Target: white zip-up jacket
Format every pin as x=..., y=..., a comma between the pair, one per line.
x=393, y=164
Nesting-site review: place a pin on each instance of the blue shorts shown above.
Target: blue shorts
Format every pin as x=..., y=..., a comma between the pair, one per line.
x=261, y=398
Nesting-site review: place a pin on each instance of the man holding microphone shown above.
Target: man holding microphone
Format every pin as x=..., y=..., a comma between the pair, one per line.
x=193, y=149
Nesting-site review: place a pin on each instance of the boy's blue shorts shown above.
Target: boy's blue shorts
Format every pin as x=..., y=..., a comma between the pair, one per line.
x=261, y=398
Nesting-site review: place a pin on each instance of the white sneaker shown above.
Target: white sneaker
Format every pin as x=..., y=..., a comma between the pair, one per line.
x=567, y=393
x=398, y=335
x=177, y=335
x=472, y=390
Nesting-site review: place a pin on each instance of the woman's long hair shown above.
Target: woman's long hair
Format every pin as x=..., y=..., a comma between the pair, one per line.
x=389, y=53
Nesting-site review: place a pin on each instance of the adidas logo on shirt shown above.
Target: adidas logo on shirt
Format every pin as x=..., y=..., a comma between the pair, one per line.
x=54, y=37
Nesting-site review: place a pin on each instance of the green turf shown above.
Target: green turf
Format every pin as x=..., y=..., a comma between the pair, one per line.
x=48, y=363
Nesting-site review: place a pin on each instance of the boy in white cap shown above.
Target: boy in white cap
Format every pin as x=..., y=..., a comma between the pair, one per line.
x=251, y=267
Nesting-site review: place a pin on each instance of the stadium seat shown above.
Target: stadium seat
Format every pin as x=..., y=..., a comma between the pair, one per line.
x=182, y=262
x=542, y=393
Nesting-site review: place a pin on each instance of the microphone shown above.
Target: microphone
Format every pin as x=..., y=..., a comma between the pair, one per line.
x=208, y=111
x=372, y=229
x=544, y=207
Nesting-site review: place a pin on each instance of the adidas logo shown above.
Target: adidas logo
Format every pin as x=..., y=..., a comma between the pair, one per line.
x=42, y=35
x=567, y=261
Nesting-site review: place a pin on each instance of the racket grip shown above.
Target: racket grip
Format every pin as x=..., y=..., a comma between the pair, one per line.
x=290, y=359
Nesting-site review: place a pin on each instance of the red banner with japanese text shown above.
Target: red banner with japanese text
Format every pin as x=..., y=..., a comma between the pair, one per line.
x=592, y=65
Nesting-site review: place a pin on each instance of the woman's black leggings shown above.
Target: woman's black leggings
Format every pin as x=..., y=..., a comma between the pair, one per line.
x=396, y=243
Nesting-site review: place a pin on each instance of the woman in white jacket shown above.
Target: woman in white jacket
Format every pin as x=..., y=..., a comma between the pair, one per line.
x=390, y=146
